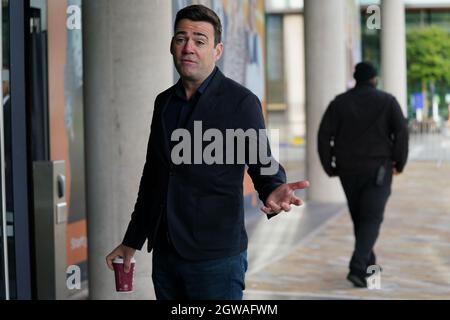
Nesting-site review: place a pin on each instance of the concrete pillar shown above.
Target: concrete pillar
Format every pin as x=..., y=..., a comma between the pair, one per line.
x=126, y=64
x=393, y=50
x=294, y=57
x=325, y=78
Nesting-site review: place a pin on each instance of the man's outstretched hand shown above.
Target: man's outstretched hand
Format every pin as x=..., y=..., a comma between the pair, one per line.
x=283, y=196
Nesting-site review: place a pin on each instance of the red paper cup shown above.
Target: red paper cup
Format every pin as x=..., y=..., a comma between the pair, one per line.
x=124, y=281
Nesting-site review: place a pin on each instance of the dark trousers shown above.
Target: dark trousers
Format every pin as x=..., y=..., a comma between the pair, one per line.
x=366, y=201
x=175, y=278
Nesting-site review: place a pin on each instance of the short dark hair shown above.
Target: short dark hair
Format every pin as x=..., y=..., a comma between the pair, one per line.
x=199, y=12
x=364, y=71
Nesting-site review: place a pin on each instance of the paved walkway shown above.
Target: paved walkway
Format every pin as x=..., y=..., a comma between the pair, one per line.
x=413, y=247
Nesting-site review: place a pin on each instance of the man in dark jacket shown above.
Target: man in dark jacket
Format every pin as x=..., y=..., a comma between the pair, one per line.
x=192, y=215
x=363, y=139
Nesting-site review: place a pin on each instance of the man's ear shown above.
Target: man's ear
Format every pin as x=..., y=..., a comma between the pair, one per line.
x=172, y=50
x=219, y=51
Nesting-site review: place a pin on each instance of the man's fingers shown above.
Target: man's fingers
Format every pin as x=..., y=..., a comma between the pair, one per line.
x=299, y=185
x=109, y=260
x=275, y=207
x=272, y=207
x=296, y=201
x=127, y=264
x=286, y=207
x=266, y=210
x=111, y=257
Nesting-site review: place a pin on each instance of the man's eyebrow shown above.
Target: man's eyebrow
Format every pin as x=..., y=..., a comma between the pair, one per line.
x=200, y=34
x=195, y=34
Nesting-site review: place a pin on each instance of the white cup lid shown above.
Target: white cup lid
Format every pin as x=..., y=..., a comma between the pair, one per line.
x=120, y=260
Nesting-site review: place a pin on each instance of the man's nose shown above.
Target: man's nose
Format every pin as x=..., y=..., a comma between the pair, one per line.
x=188, y=47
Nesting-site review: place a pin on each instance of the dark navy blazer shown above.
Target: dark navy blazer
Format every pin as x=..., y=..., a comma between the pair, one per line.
x=204, y=203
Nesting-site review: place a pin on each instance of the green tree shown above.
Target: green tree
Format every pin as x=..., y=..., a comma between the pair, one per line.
x=428, y=54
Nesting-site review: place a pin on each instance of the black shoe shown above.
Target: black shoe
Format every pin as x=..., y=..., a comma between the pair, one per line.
x=358, y=281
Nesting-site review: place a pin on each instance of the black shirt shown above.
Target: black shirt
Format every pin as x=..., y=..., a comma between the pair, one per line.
x=180, y=108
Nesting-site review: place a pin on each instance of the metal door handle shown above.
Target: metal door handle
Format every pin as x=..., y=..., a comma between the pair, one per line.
x=61, y=181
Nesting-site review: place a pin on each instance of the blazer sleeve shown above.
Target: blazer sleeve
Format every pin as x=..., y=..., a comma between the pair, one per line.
x=266, y=173
x=141, y=217
x=326, y=134
x=399, y=129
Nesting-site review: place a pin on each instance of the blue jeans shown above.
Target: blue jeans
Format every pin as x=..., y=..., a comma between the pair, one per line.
x=175, y=278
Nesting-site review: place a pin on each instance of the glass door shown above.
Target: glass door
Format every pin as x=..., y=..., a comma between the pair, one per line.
x=5, y=156
x=16, y=251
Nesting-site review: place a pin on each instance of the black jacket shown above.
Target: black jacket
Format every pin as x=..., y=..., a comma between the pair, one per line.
x=362, y=129
x=204, y=203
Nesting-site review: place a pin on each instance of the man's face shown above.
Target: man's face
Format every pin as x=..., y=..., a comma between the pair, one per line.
x=193, y=50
